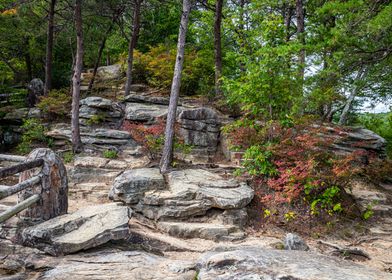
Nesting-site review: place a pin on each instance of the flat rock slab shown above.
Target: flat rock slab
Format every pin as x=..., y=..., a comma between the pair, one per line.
x=145, y=112
x=261, y=263
x=140, y=98
x=121, y=265
x=131, y=185
x=210, y=231
x=84, y=229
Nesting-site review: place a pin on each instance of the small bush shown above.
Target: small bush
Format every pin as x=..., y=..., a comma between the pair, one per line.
x=293, y=170
x=57, y=104
x=257, y=162
x=33, y=134
x=68, y=157
x=111, y=154
x=96, y=119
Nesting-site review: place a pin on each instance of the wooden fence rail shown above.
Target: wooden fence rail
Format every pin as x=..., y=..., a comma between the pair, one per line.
x=7, y=171
x=43, y=193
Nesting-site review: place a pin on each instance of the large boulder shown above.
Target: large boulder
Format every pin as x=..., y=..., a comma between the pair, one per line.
x=191, y=193
x=262, y=263
x=131, y=185
x=35, y=89
x=111, y=72
x=84, y=229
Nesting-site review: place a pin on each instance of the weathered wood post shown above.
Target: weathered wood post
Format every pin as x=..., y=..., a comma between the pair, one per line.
x=53, y=189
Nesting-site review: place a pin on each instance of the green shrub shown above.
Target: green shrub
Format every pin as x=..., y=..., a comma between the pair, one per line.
x=256, y=162
x=33, y=133
x=57, y=104
x=96, y=119
x=68, y=157
x=112, y=154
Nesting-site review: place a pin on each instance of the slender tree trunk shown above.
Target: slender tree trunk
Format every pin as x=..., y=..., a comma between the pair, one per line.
x=347, y=107
x=49, y=49
x=132, y=44
x=241, y=28
x=301, y=36
x=167, y=154
x=76, y=141
x=28, y=62
x=97, y=62
x=288, y=14
x=218, y=46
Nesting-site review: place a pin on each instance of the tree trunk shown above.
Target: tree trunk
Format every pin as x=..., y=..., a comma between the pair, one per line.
x=241, y=28
x=49, y=49
x=100, y=51
x=347, y=107
x=28, y=62
x=301, y=37
x=132, y=44
x=218, y=46
x=167, y=154
x=288, y=14
x=76, y=141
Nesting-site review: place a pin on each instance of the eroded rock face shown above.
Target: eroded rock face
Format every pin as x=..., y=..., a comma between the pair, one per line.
x=98, y=110
x=131, y=185
x=84, y=229
x=200, y=128
x=104, y=137
x=261, y=263
x=354, y=139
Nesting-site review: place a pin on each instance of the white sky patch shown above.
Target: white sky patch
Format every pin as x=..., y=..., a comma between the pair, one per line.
x=382, y=107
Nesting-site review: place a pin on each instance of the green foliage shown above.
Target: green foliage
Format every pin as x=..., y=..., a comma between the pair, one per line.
x=326, y=201
x=156, y=68
x=256, y=161
x=33, y=133
x=57, y=104
x=368, y=212
x=68, y=157
x=96, y=119
x=111, y=154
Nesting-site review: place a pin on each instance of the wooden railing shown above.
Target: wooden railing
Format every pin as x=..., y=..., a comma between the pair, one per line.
x=42, y=193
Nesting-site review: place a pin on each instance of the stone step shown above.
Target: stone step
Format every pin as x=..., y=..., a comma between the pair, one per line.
x=90, y=192
x=209, y=231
